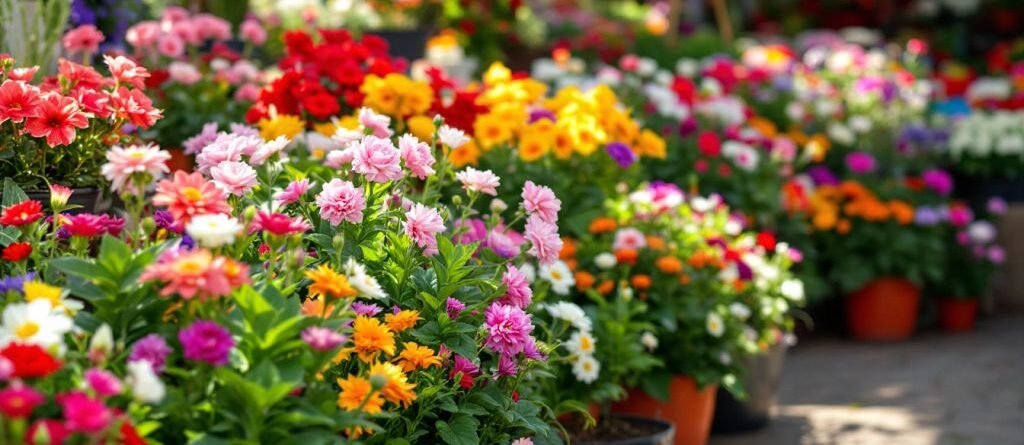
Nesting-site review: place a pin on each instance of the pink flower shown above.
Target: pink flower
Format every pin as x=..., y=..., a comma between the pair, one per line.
x=322, y=339
x=207, y=342
x=96, y=102
x=83, y=38
x=544, y=241
x=174, y=14
x=629, y=238
x=186, y=195
x=506, y=367
x=378, y=123
x=248, y=92
x=339, y=158
x=125, y=164
x=454, y=307
x=59, y=196
x=422, y=224
x=196, y=143
x=479, y=181
x=90, y=226
x=252, y=31
x=79, y=76
x=171, y=46
x=416, y=155
x=184, y=73
x=187, y=31
x=83, y=414
x=196, y=274
x=540, y=200
x=508, y=329
x=452, y=137
x=211, y=27
x=134, y=106
x=18, y=401
x=226, y=148
x=235, y=178
x=465, y=370
x=292, y=193
x=126, y=71
x=377, y=159
x=341, y=201
x=268, y=150
x=143, y=34
x=103, y=383
x=517, y=288
x=24, y=74
x=278, y=224
x=18, y=100
x=56, y=120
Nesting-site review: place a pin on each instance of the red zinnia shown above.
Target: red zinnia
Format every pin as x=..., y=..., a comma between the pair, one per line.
x=17, y=251
x=21, y=214
x=321, y=106
x=56, y=119
x=29, y=360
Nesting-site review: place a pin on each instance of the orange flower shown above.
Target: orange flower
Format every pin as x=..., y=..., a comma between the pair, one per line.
x=402, y=320
x=763, y=126
x=370, y=338
x=739, y=285
x=415, y=356
x=606, y=287
x=328, y=283
x=669, y=265
x=640, y=282
x=824, y=220
x=357, y=394
x=584, y=281
x=700, y=259
x=902, y=212
x=684, y=279
x=626, y=256
x=602, y=225
x=843, y=226
x=655, y=242
x=314, y=307
x=568, y=248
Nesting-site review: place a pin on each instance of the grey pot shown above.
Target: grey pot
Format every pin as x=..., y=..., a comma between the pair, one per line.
x=665, y=435
x=91, y=200
x=762, y=374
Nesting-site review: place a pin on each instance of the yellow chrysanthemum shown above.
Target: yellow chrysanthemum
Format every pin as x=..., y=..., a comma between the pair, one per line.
x=402, y=320
x=397, y=95
x=281, y=125
x=357, y=395
x=328, y=283
x=414, y=357
x=370, y=337
x=533, y=147
x=35, y=290
x=397, y=390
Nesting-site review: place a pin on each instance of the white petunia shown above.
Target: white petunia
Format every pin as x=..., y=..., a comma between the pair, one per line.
x=365, y=284
x=581, y=343
x=213, y=230
x=586, y=368
x=146, y=385
x=35, y=322
x=571, y=313
x=715, y=325
x=559, y=275
x=605, y=260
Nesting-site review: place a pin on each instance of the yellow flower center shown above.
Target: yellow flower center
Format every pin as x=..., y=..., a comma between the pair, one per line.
x=137, y=155
x=586, y=344
x=556, y=275
x=192, y=194
x=26, y=330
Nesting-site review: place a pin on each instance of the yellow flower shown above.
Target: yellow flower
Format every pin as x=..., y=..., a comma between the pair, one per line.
x=563, y=143
x=491, y=130
x=35, y=290
x=370, y=338
x=533, y=147
x=402, y=320
x=379, y=96
x=651, y=145
x=354, y=392
x=281, y=125
x=497, y=73
x=421, y=127
x=328, y=283
x=467, y=154
x=397, y=95
x=415, y=357
x=397, y=390
x=326, y=128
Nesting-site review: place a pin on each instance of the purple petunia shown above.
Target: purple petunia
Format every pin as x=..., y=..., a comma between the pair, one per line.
x=621, y=154
x=153, y=349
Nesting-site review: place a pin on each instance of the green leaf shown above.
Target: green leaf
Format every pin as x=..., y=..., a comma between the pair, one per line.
x=656, y=384
x=12, y=193
x=460, y=431
x=9, y=235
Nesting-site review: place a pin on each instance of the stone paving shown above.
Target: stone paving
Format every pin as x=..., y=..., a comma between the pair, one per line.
x=937, y=389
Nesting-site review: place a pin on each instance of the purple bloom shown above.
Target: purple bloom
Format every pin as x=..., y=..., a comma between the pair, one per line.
x=860, y=162
x=153, y=349
x=508, y=329
x=366, y=309
x=187, y=243
x=454, y=307
x=470, y=231
x=996, y=205
x=996, y=254
x=541, y=113
x=15, y=283
x=502, y=243
x=688, y=127
x=506, y=367
x=938, y=180
x=207, y=342
x=927, y=216
x=745, y=272
x=322, y=339
x=197, y=143
x=165, y=220
x=821, y=175
x=621, y=154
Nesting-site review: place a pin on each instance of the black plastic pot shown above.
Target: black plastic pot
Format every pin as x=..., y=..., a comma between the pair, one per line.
x=410, y=44
x=90, y=200
x=761, y=377
x=665, y=434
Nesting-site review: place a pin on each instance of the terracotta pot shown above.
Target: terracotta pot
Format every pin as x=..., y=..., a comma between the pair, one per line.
x=883, y=310
x=762, y=374
x=958, y=315
x=688, y=407
x=663, y=436
x=180, y=160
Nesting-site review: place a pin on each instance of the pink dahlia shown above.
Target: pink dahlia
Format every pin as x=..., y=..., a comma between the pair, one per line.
x=517, y=288
x=278, y=224
x=508, y=329
x=540, y=200
x=207, y=342
x=377, y=159
x=416, y=155
x=136, y=162
x=479, y=181
x=341, y=201
x=545, y=244
x=422, y=224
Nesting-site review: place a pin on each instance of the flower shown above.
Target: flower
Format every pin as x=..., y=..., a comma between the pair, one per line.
x=15, y=252
x=517, y=288
x=213, y=230
x=328, y=283
x=88, y=226
x=184, y=73
x=18, y=101
x=996, y=254
x=452, y=137
x=234, y=177
x=739, y=310
x=559, y=275
x=188, y=195
x=621, y=154
x=397, y=388
x=465, y=370
x=125, y=164
x=545, y=244
x=341, y=201
x=541, y=200
x=938, y=180
x=605, y=260
x=322, y=339
x=21, y=214
x=196, y=274
x=365, y=283
x=366, y=309
x=581, y=343
x=252, y=31
x=126, y=71
x=414, y=357
x=278, y=224
x=571, y=313
x=378, y=124
x=508, y=329
x=152, y=349
x=522, y=441
x=416, y=155
x=479, y=181
x=207, y=342
x=860, y=162
x=292, y=193
x=281, y=125
x=377, y=159
x=629, y=238
x=225, y=147
x=18, y=401
x=422, y=224
x=649, y=341
x=84, y=38
x=135, y=107
x=35, y=322
x=145, y=385
x=29, y=360
x=84, y=414
x=103, y=383
x=454, y=307
x=370, y=338
x=714, y=324
x=586, y=368
x=402, y=320
x=36, y=290
x=357, y=394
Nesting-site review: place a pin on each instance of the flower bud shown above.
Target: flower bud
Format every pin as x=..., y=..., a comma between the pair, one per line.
x=101, y=344
x=338, y=242
x=457, y=200
x=59, y=196
x=378, y=382
x=498, y=206
x=438, y=120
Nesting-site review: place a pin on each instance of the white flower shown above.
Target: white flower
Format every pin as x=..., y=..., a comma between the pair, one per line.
x=725, y=358
x=213, y=230
x=570, y=313
x=793, y=289
x=649, y=341
x=625, y=292
x=795, y=111
x=841, y=133
x=860, y=123
x=581, y=343
x=365, y=284
x=981, y=232
x=605, y=260
x=271, y=148
x=529, y=271
x=559, y=275
x=102, y=342
x=498, y=206
x=744, y=156
x=646, y=66
x=687, y=67
x=146, y=385
x=35, y=322
x=452, y=137
x=739, y=310
x=586, y=368
x=714, y=324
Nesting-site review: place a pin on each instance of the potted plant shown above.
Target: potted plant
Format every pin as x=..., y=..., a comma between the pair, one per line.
x=973, y=256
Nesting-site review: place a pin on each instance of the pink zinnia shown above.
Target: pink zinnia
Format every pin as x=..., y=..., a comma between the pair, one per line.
x=18, y=401
x=84, y=414
x=18, y=101
x=517, y=288
x=341, y=201
x=252, y=31
x=124, y=164
x=56, y=119
x=126, y=71
x=629, y=238
x=508, y=329
x=83, y=38
x=103, y=383
x=422, y=224
x=544, y=241
x=292, y=193
x=540, y=200
x=416, y=155
x=479, y=181
x=235, y=178
x=186, y=195
x=207, y=342
x=379, y=124
x=278, y=224
x=134, y=106
x=377, y=159
x=322, y=339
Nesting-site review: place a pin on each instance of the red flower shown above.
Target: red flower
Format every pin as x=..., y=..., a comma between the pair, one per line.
x=21, y=214
x=321, y=106
x=29, y=360
x=709, y=144
x=17, y=251
x=56, y=120
x=53, y=429
x=298, y=42
x=17, y=101
x=134, y=106
x=766, y=240
x=278, y=224
x=129, y=436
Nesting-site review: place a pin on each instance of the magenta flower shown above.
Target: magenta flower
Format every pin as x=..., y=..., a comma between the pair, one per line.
x=278, y=224
x=341, y=201
x=416, y=155
x=366, y=309
x=939, y=181
x=422, y=224
x=860, y=162
x=508, y=329
x=540, y=200
x=518, y=292
x=84, y=414
x=18, y=401
x=153, y=349
x=544, y=241
x=465, y=370
x=103, y=383
x=322, y=339
x=454, y=307
x=470, y=231
x=996, y=254
x=292, y=193
x=207, y=342
x=377, y=159
x=506, y=367
x=479, y=181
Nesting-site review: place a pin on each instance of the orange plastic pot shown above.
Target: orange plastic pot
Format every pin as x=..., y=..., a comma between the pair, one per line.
x=883, y=310
x=958, y=315
x=688, y=407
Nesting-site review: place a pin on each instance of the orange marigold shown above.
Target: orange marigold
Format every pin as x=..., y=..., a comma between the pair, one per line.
x=606, y=287
x=584, y=280
x=669, y=265
x=640, y=282
x=626, y=256
x=655, y=242
x=602, y=225
x=402, y=320
x=568, y=248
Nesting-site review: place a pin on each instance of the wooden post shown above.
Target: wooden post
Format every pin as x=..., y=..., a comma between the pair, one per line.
x=723, y=20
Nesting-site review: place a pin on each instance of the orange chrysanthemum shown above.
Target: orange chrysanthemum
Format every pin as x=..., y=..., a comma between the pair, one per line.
x=397, y=390
x=402, y=320
x=602, y=225
x=370, y=338
x=415, y=356
x=669, y=265
x=354, y=392
x=328, y=283
x=584, y=281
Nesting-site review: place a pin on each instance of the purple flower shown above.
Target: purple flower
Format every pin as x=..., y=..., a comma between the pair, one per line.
x=15, y=283
x=938, y=180
x=996, y=254
x=165, y=220
x=470, y=231
x=541, y=113
x=996, y=205
x=508, y=329
x=745, y=272
x=207, y=342
x=506, y=367
x=688, y=127
x=454, y=307
x=860, y=162
x=322, y=339
x=366, y=309
x=153, y=349
x=927, y=216
x=187, y=243
x=821, y=175
x=621, y=154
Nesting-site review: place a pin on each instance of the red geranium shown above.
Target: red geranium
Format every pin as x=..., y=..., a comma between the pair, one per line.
x=17, y=251
x=29, y=360
x=709, y=144
x=21, y=214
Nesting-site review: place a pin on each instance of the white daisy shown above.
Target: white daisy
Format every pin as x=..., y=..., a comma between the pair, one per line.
x=365, y=284
x=559, y=275
x=36, y=323
x=586, y=368
x=571, y=313
x=213, y=230
x=649, y=341
x=714, y=324
x=581, y=343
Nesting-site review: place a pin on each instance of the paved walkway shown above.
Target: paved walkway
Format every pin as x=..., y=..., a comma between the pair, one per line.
x=938, y=389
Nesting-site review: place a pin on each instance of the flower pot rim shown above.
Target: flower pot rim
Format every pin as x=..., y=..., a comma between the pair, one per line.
x=668, y=430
